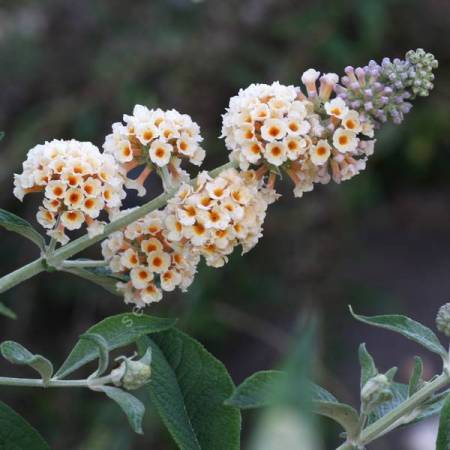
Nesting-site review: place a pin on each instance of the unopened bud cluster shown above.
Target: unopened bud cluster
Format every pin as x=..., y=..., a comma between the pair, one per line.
x=376, y=391
x=443, y=319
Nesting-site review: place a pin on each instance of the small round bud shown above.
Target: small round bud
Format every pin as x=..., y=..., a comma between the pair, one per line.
x=375, y=392
x=443, y=319
x=374, y=387
x=136, y=375
x=132, y=374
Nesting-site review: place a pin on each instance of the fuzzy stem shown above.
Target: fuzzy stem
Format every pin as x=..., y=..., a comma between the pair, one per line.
x=32, y=382
x=24, y=273
x=72, y=248
x=407, y=407
x=84, y=263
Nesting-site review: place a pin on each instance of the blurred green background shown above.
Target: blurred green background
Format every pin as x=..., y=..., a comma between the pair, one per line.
x=381, y=241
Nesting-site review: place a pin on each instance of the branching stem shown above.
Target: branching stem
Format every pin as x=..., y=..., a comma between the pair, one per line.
x=59, y=256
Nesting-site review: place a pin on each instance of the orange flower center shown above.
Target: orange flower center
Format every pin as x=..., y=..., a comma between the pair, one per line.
x=276, y=151
x=343, y=140
x=350, y=124
x=148, y=135
x=160, y=152
x=74, y=197
x=157, y=261
x=274, y=131
x=58, y=190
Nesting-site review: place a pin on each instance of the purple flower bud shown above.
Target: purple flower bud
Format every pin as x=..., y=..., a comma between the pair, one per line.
x=406, y=107
x=368, y=92
x=360, y=73
x=349, y=69
x=368, y=106
x=377, y=86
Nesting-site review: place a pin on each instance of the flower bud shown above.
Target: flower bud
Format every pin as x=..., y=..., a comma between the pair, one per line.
x=376, y=391
x=132, y=374
x=443, y=319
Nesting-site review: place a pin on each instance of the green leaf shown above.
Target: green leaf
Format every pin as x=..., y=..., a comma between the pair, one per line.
x=131, y=406
x=390, y=374
x=318, y=393
x=118, y=331
x=2, y=135
x=368, y=368
x=101, y=276
x=262, y=388
x=415, y=382
x=407, y=327
x=443, y=439
x=17, y=354
x=16, y=433
x=15, y=223
x=103, y=351
x=5, y=311
x=343, y=414
x=188, y=388
x=258, y=390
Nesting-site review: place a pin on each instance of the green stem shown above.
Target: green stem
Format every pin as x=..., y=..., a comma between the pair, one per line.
x=32, y=382
x=407, y=407
x=83, y=263
x=22, y=274
x=53, y=242
x=72, y=248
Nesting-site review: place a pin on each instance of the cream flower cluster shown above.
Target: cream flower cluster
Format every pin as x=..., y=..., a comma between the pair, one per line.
x=78, y=183
x=154, y=262
x=310, y=137
x=216, y=215
x=157, y=139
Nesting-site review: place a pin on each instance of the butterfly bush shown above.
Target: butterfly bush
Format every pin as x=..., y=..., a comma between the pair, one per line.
x=157, y=140
x=320, y=131
x=78, y=183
